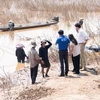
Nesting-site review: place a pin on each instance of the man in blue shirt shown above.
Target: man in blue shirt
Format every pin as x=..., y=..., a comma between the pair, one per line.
x=63, y=44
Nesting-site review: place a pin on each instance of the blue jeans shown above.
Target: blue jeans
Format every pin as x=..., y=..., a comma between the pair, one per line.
x=63, y=57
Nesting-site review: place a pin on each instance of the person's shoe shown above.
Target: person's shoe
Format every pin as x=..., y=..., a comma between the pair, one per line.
x=80, y=67
x=73, y=70
x=61, y=75
x=46, y=75
x=33, y=82
x=76, y=73
x=43, y=76
x=66, y=74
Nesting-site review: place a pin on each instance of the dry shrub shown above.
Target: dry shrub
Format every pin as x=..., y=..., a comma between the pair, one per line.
x=5, y=81
x=53, y=55
x=24, y=11
x=93, y=58
x=5, y=84
x=35, y=94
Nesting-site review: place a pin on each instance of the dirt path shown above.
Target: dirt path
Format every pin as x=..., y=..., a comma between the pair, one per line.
x=85, y=86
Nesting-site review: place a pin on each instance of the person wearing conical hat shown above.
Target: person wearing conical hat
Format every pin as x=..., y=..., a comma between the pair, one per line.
x=20, y=54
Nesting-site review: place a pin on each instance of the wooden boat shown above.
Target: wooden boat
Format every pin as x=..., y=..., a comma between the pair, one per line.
x=55, y=20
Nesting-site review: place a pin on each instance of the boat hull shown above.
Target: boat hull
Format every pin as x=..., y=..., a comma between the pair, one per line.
x=30, y=25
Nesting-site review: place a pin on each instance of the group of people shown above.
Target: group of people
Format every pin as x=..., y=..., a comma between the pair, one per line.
x=67, y=45
x=76, y=49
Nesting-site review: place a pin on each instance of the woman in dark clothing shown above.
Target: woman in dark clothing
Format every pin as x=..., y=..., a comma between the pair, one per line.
x=20, y=53
x=43, y=53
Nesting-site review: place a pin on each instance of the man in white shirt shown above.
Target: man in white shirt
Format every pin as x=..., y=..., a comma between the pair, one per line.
x=82, y=40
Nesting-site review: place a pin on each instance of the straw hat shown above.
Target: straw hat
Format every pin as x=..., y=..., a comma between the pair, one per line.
x=33, y=44
x=10, y=21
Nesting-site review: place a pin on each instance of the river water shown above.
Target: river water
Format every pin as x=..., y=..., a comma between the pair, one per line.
x=8, y=41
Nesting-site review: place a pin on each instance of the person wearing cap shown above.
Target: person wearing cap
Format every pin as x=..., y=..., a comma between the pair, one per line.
x=63, y=44
x=43, y=53
x=82, y=40
x=34, y=61
x=11, y=25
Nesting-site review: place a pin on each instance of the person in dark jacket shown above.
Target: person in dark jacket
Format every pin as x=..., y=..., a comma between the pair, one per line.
x=43, y=53
x=20, y=53
x=11, y=25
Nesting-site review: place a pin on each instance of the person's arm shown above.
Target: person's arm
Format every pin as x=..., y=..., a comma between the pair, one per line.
x=68, y=44
x=36, y=56
x=29, y=57
x=57, y=41
x=16, y=52
x=49, y=44
x=24, y=53
x=84, y=35
x=85, y=41
x=40, y=53
x=71, y=49
x=38, y=59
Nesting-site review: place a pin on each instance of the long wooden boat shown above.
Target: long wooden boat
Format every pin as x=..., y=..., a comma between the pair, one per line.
x=31, y=25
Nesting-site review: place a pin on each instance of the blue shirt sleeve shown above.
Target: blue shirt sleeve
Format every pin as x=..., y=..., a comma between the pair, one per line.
x=57, y=41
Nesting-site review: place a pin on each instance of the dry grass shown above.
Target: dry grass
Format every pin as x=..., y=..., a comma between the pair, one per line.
x=24, y=11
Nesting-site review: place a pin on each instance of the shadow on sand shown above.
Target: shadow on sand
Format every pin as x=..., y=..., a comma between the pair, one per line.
x=70, y=76
x=83, y=74
x=92, y=71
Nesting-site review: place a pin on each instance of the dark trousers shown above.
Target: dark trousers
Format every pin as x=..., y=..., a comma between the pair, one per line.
x=76, y=63
x=33, y=72
x=63, y=57
x=21, y=60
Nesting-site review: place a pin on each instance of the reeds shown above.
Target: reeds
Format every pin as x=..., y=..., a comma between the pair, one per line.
x=26, y=11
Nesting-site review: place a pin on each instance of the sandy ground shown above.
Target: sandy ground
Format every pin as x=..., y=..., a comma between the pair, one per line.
x=85, y=86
